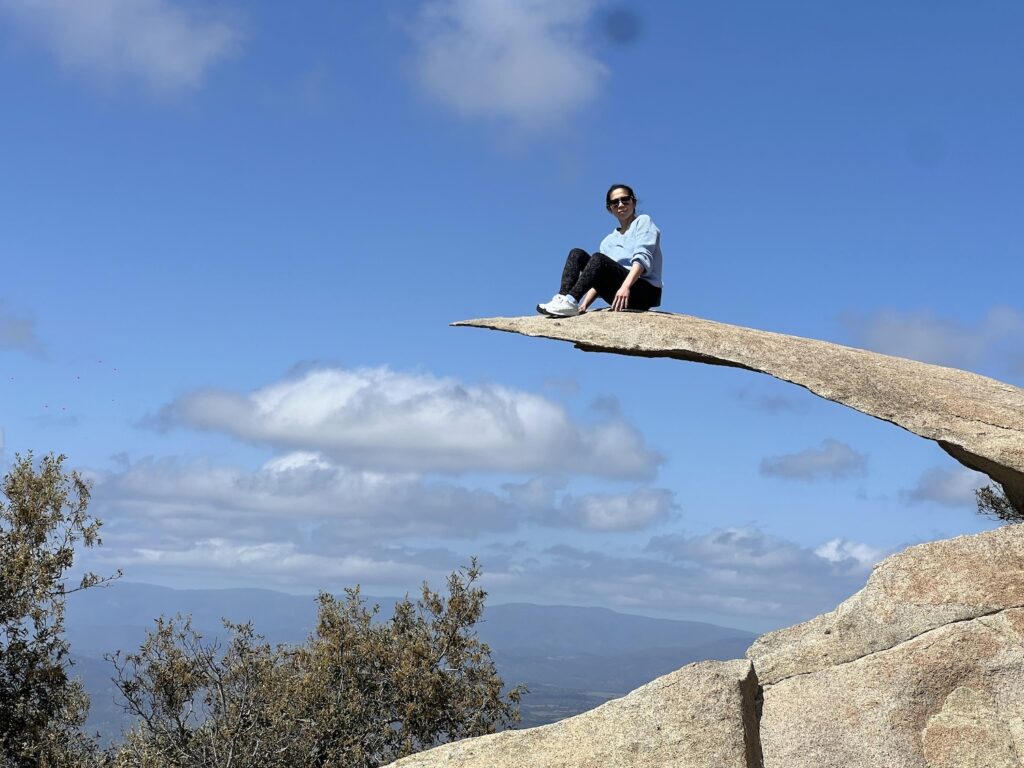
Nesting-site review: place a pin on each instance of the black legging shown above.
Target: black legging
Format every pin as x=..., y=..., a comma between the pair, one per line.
x=583, y=272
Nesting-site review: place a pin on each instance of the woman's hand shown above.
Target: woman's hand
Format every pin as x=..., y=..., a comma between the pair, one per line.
x=621, y=300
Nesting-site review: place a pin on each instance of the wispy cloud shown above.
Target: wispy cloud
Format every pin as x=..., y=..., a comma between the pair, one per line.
x=755, y=578
x=156, y=42
x=948, y=486
x=17, y=331
x=284, y=563
x=525, y=62
x=833, y=459
x=770, y=402
x=843, y=550
x=381, y=419
x=737, y=576
x=930, y=338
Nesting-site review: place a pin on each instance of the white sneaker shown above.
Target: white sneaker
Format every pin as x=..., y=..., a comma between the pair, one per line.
x=543, y=308
x=562, y=306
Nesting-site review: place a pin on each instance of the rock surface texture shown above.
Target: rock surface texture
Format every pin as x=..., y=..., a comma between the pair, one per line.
x=924, y=667
x=977, y=420
x=700, y=716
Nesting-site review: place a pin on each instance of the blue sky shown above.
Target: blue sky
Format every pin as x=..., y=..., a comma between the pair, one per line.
x=234, y=235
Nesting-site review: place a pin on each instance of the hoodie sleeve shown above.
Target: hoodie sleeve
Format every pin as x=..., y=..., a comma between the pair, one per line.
x=644, y=241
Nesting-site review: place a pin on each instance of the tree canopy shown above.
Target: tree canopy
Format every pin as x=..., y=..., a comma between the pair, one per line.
x=361, y=692
x=43, y=519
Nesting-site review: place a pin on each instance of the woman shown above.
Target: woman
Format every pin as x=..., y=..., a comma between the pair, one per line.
x=626, y=272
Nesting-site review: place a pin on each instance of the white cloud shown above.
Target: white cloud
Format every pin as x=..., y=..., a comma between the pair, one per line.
x=522, y=61
x=283, y=563
x=833, y=459
x=737, y=576
x=929, y=338
x=376, y=418
x=157, y=42
x=617, y=512
x=541, y=500
x=747, y=549
x=179, y=503
x=301, y=498
x=839, y=550
x=301, y=522
x=949, y=486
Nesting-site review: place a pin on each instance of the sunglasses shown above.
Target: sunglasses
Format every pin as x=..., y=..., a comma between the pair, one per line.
x=617, y=201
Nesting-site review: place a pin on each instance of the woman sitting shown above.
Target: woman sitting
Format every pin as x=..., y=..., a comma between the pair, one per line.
x=625, y=272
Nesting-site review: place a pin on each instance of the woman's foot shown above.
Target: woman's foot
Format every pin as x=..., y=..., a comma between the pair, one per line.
x=561, y=306
x=543, y=308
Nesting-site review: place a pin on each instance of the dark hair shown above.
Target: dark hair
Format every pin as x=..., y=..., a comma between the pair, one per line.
x=612, y=188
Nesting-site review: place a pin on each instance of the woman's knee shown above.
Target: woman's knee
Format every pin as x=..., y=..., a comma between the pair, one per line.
x=577, y=260
x=601, y=264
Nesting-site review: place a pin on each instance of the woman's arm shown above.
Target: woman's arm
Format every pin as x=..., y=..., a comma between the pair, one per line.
x=588, y=299
x=622, y=295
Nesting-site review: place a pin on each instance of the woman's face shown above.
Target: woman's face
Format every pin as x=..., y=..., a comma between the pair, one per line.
x=621, y=204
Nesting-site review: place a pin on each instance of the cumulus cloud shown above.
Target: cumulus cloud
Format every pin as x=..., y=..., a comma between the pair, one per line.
x=833, y=459
x=157, y=42
x=17, y=331
x=948, y=486
x=522, y=61
x=617, y=512
x=930, y=338
x=185, y=502
x=541, y=500
x=300, y=522
x=300, y=496
x=376, y=418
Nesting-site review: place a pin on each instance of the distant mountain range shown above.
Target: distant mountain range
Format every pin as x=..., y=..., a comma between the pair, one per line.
x=572, y=659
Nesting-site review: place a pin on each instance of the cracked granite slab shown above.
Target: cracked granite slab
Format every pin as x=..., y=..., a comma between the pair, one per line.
x=948, y=698
x=909, y=593
x=922, y=667
x=702, y=715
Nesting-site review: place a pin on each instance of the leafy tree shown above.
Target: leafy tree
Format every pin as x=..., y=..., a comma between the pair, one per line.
x=359, y=693
x=43, y=519
x=992, y=502
x=200, y=705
